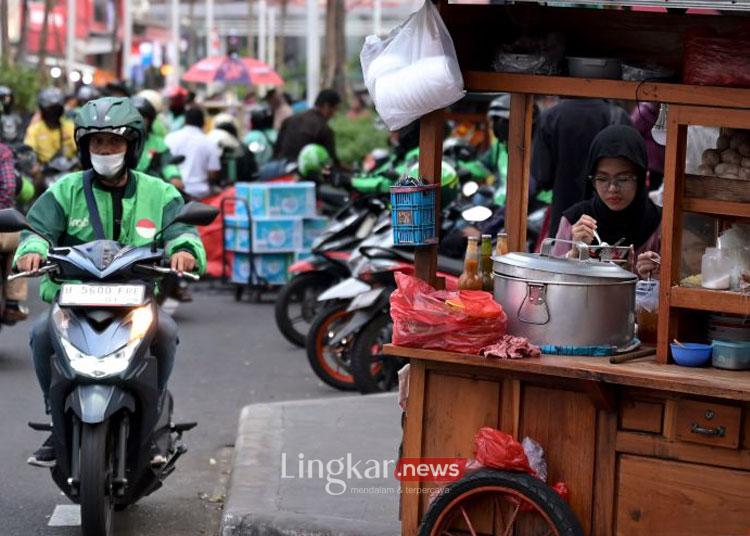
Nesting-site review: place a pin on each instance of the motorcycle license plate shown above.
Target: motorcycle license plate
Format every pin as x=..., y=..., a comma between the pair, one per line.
x=365, y=300
x=84, y=295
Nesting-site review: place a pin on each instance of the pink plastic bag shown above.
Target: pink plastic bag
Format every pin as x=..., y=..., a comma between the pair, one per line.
x=463, y=321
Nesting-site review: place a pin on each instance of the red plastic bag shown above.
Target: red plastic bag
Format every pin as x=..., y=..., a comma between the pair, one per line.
x=717, y=61
x=498, y=450
x=463, y=321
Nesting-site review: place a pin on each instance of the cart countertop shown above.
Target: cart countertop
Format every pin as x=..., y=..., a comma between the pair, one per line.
x=643, y=372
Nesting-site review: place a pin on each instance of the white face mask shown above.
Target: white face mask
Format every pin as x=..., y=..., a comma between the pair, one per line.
x=108, y=165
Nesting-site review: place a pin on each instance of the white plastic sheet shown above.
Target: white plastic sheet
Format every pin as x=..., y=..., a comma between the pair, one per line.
x=413, y=70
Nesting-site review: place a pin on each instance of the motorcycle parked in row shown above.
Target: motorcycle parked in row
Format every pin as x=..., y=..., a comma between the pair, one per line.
x=112, y=428
x=296, y=302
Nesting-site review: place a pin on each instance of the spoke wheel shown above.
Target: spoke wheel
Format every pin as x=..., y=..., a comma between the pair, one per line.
x=373, y=371
x=97, y=473
x=499, y=503
x=330, y=363
x=297, y=304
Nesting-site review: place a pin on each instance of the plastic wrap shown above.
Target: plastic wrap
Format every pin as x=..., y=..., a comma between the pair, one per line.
x=413, y=70
x=463, y=321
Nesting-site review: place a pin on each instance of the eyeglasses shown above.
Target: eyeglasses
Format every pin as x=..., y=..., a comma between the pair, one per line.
x=620, y=182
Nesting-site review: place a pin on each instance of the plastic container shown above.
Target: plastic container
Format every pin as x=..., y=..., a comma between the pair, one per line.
x=717, y=268
x=269, y=268
x=580, y=67
x=276, y=235
x=413, y=215
x=691, y=354
x=732, y=355
x=647, y=310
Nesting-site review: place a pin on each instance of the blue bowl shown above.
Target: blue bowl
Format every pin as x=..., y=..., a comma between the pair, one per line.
x=691, y=354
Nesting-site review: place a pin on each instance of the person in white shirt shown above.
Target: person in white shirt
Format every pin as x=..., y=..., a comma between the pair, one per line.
x=202, y=157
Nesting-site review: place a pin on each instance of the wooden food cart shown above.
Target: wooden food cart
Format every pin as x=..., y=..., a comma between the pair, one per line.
x=647, y=447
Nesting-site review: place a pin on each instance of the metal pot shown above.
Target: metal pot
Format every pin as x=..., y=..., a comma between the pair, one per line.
x=566, y=302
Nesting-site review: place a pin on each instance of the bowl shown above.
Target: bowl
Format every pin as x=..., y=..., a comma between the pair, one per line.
x=691, y=354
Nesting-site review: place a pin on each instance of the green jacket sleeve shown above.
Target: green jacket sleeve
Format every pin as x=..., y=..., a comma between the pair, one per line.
x=181, y=237
x=48, y=219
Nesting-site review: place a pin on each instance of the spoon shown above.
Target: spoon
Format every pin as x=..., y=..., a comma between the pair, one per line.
x=678, y=343
x=596, y=235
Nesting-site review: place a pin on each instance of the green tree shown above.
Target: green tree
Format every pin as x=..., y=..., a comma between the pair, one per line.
x=24, y=82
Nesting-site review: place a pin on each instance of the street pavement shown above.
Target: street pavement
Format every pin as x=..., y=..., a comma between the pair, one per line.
x=230, y=355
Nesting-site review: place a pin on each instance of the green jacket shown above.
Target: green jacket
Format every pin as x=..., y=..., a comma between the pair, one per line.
x=155, y=159
x=62, y=216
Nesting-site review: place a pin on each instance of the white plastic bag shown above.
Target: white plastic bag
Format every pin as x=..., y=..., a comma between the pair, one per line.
x=412, y=71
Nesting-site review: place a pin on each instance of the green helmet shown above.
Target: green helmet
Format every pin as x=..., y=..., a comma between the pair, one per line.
x=312, y=159
x=449, y=182
x=116, y=115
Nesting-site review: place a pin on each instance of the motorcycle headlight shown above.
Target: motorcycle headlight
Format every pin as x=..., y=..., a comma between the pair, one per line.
x=99, y=367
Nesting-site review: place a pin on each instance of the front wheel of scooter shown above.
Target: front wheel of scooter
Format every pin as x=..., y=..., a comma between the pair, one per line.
x=97, y=470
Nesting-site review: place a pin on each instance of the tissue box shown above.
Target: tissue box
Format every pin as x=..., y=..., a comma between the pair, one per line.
x=279, y=199
x=236, y=233
x=312, y=228
x=276, y=235
x=269, y=268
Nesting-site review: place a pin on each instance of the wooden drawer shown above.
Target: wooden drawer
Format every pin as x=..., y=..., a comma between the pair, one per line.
x=659, y=497
x=641, y=416
x=706, y=423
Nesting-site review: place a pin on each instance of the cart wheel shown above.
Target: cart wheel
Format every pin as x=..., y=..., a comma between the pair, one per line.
x=499, y=502
x=239, y=290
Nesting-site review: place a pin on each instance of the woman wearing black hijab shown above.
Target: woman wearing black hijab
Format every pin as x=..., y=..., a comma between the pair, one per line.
x=619, y=207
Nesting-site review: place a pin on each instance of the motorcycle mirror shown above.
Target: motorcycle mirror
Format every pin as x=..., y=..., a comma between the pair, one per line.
x=12, y=221
x=476, y=214
x=177, y=159
x=470, y=188
x=195, y=213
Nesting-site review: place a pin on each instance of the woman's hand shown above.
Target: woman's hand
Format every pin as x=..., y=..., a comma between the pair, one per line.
x=583, y=230
x=648, y=264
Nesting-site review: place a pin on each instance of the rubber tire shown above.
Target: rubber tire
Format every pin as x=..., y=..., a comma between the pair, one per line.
x=361, y=357
x=311, y=344
x=96, y=507
x=531, y=487
x=283, y=299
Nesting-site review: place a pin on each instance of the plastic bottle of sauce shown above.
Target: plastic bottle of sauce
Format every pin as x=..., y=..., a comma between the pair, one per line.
x=501, y=248
x=485, y=263
x=470, y=278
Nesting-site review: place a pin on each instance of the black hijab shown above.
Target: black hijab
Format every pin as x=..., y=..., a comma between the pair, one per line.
x=638, y=221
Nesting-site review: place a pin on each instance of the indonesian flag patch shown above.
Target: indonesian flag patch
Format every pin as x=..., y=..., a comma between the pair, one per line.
x=145, y=228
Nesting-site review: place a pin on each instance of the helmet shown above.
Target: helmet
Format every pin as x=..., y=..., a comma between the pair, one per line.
x=154, y=97
x=223, y=139
x=449, y=184
x=178, y=97
x=51, y=97
x=144, y=107
x=261, y=117
x=116, y=115
x=86, y=93
x=6, y=98
x=459, y=150
x=312, y=159
x=500, y=107
x=224, y=120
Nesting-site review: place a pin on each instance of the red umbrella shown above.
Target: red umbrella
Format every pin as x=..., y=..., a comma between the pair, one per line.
x=214, y=69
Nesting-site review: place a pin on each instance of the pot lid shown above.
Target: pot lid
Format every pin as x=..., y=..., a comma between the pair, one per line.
x=557, y=265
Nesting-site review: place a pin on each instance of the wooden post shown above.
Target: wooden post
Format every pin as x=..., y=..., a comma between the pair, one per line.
x=671, y=229
x=519, y=159
x=430, y=168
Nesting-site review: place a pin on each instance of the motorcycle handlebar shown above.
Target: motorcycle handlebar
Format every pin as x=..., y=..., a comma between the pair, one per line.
x=165, y=270
x=48, y=268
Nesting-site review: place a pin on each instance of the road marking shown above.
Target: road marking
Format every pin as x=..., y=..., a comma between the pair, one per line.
x=66, y=515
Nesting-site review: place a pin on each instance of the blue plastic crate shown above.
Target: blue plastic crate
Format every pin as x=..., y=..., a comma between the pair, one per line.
x=242, y=191
x=312, y=228
x=236, y=233
x=413, y=215
x=276, y=235
x=270, y=268
x=280, y=199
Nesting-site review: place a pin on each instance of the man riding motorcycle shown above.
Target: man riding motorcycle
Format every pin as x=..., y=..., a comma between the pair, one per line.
x=113, y=200
x=52, y=135
x=11, y=124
